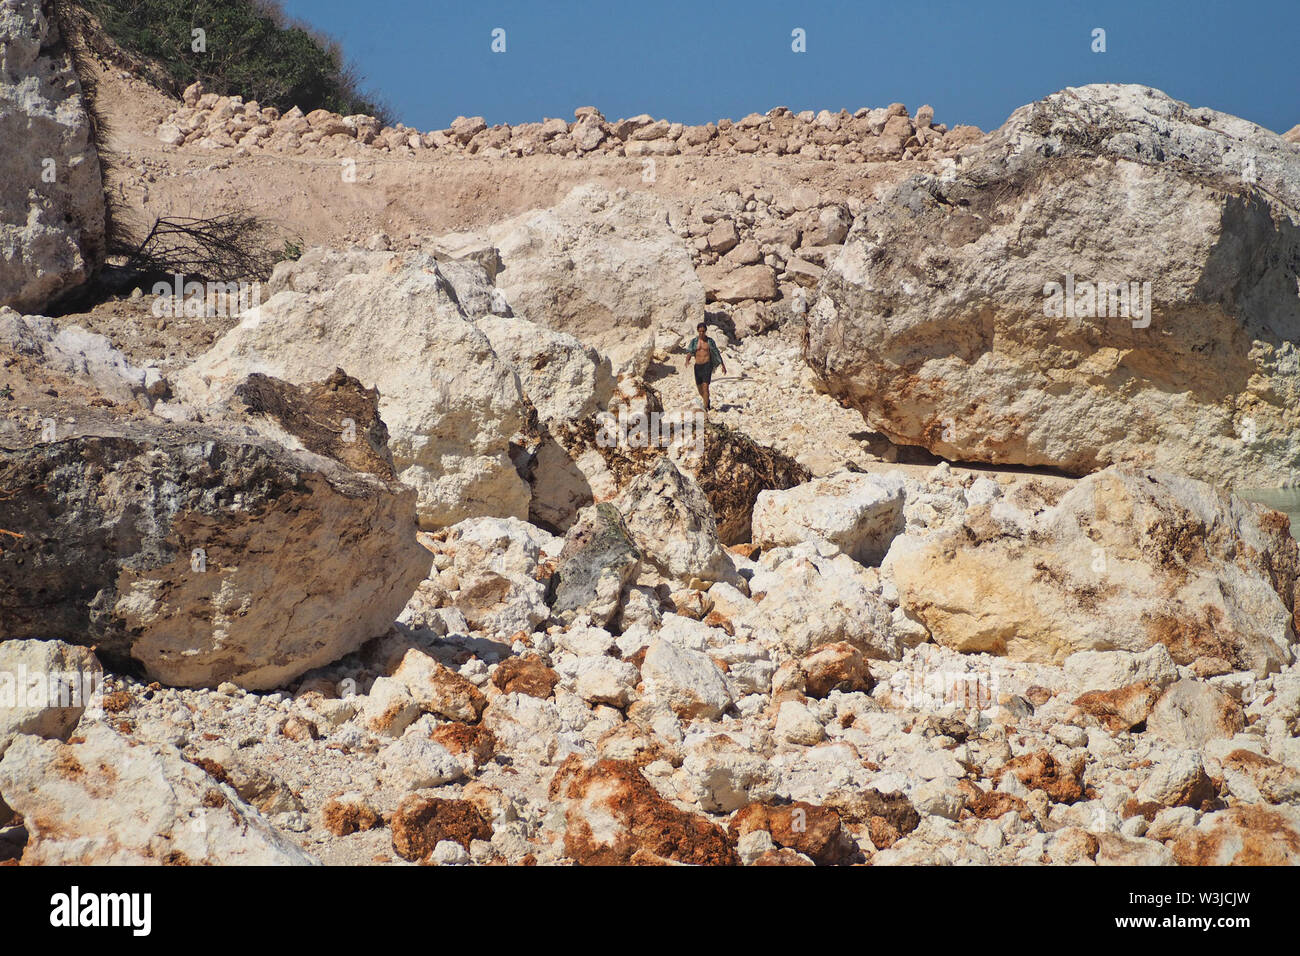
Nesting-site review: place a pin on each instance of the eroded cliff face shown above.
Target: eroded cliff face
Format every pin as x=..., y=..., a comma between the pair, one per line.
x=52, y=194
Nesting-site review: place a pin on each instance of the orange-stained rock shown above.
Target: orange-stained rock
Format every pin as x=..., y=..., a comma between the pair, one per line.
x=612, y=812
x=838, y=666
x=1242, y=836
x=1041, y=771
x=812, y=830
x=420, y=823
x=1121, y=709
x=525, y=675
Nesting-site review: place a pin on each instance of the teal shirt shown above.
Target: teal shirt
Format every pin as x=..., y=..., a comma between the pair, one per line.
x=715, y=357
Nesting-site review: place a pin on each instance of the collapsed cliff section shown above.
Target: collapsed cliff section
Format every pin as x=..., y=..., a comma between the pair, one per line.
x=52, y=208
x=1109, y=278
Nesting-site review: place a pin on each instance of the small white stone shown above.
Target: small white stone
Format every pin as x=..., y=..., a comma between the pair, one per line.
x=796, y=724
x=450, y=853
x=753, y=845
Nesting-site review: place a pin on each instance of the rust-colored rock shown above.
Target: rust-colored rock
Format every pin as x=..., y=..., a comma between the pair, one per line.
x=612, y=812
x=438, y=689
x=345, y=817
x=1120, y=709
x=1242, y=836
x=783, y=856
x=525, y=675
x=1274, y=782
x=1041, y=771
x=812, y=830
x=838, y=666
x=870, y=804
x=883, y=834
x=991, y=804
x=473, y=739
x=1073, y=845
x=421, y=823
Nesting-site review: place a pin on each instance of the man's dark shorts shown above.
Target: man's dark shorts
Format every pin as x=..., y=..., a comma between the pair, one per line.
x=703, y=374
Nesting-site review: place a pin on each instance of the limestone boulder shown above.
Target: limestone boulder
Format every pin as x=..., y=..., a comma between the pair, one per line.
x=45, y=687
x=606, y=680
x=107, y=800
x=1241, y=836
x=1123, y=561
x=438, y=689
x=1111, y=670
x=1254, y=778
x=614, y=816
x=493, y=564
x=724, y=283
x=835, y=667
x=670, y=519
x=598, y=558
x=202, y=553
x=965, y=314
x=803, y=599
x=1192, y=713
x=603, y=266
x=726, y=773
x=320, y=268
x=686, y=681
x=564, y=379
x=402, y=324
x=859, y=514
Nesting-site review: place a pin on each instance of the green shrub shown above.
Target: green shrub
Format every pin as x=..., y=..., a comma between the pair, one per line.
x=251, y=50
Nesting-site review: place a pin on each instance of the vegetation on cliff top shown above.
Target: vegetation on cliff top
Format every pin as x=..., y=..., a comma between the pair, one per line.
x=247, y=47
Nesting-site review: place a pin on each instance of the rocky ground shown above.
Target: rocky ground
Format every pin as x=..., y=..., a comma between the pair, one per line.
x=370, y=572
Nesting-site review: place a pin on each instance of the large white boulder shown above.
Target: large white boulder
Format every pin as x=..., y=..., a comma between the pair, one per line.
x=45, y=687
x=945, y=318
x=686, y=681
x=1122, y=561
x=404, y=326
x=673, y=524
x=563, y=378
x=605, y=266
x=208, y=552
x=859, y=514
x=105, y=800
x=803, y=599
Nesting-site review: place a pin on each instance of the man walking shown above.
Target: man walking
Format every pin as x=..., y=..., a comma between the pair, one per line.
x=704, y=351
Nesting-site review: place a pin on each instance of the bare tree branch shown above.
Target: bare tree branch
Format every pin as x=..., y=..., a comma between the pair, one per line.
x=232, y=247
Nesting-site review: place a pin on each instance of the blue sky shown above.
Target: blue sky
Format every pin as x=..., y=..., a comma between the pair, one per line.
x=974, y=62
